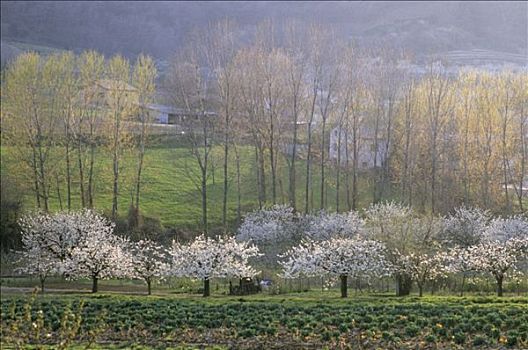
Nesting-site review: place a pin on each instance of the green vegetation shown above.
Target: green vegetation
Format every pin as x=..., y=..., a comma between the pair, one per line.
x=168, y=191
x=367, y=321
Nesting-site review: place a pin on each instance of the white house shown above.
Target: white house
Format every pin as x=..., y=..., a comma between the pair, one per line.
x=368, y=156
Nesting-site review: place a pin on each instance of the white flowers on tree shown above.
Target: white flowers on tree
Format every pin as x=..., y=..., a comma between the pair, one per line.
x=342, y=257
x=100, y=253
x=503, y=229
x=391, y=240
x=76, y=244
x=466, y=226
x=206, y=258
x=423, y=267
x=148, y=261
x=268, y=225
x=325, y=225
x=505, y=245
x=272, y=229
x=55, y=234
x=392, y=224
x=37, y=262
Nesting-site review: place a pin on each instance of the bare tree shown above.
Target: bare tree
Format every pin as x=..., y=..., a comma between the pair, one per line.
x=121, y=101
x=190, y=84
x=143, y=79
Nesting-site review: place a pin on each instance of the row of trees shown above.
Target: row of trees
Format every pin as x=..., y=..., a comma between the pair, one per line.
x=82, y=244
x=438, y=139
x=390, y=241
x=62, y=111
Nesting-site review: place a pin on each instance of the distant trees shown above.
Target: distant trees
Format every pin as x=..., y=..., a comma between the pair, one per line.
x=268, y=103
x=58, y=110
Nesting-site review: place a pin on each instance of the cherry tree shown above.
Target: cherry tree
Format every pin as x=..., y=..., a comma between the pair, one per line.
x=342, y=257
x=392, y=224
x=99, y=254
x=498, y=259
x=36, y=262
x=505, y=246
x=57, y=234
x=272, y=229
x=206, y=258
x=502, y=229
x=268, y=225
x=148, y=261
x=466, y=226
x=323, y=225
x=460, y=261
x=424, y=267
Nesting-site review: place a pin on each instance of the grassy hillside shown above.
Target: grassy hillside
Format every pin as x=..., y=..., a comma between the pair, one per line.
x=168, y=190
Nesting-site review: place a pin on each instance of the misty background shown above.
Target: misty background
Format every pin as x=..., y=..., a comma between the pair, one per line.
x=496, y=30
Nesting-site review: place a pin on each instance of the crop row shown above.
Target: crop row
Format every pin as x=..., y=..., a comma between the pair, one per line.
x=461, y=324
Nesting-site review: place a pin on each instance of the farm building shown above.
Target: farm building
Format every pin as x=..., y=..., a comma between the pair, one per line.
x=171, y=115
x=368, y=155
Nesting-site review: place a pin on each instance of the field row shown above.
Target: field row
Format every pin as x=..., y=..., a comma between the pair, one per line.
x=391, y=323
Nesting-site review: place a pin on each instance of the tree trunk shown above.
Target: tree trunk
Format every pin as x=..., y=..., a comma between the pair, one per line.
x=94, y=284
x=90, y=176
x=138, y=182
x=204, y=200
x=239, y=194
x=499, y=285
x=149, y=288
x=403, y=285
x=59, y=197
x=81, y=173
x=308, y=168
x=420, y=290
x=115, y=186
x=35, y=172
x=207, y=290
x=226, y=154
x=273, y=165
x=462, y=286
x=347, y=171
x=338, y=169
x=322, y=162
x=68, y=175
x=292, y=188
x=344, y=286
x=42, y=279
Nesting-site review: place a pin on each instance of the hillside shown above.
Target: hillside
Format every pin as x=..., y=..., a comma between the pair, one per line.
x=160, y=28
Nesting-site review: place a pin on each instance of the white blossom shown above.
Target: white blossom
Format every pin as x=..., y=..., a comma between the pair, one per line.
x=205, y=258
x=100, y=254
x=325, y=225
x=466, y=226
x=336, y=257
x=148, y=261
x=277, y=223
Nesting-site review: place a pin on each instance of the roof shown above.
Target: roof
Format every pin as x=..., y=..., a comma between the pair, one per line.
x=174, y=110
x=109, y=84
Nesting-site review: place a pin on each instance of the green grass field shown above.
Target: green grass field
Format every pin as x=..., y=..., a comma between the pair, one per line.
x=168, y=190
x=305, y=320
